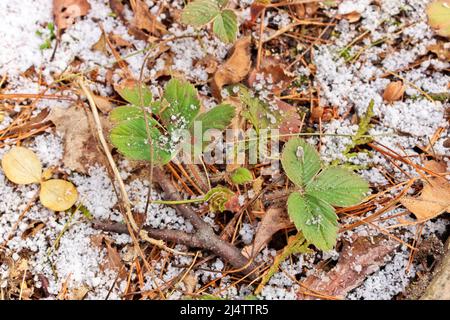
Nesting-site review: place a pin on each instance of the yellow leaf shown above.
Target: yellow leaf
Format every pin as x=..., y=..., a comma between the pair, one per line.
x=22, y=166
x=58, y=195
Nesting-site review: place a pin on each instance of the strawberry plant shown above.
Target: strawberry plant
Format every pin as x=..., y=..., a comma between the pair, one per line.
x=167, y=121
x=199, y=13
x=318, y=190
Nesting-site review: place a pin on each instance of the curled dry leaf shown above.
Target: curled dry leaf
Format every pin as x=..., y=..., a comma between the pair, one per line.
x=394, y=91
x=66, y=11
x=22, y=166
x=274, y=220
x=306, y=10
x=235, y=69
x=434, y=198
x=58, y=194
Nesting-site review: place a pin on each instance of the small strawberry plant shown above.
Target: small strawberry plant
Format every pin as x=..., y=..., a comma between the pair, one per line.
x=318, y=190
x=167, y=120
x=199, y=13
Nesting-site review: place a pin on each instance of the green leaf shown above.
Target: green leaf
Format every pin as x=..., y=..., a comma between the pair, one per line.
x=132, y=94
x=218, y=117
x=130, y=138
x=300, y=161
x=226, y=26
x=364, y=126
x=315, y=218
x=222, y=3
x=183, y=105
x=439, y=16
x=241, y=176
x=339, y=187
x=200, y=12
x=130, y=112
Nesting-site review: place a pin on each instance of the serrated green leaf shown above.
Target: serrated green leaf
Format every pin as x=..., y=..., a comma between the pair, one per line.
x=439, y=16
x=183, y=105
x=130, y=138
x=218, y=117
x=241, y=176
x=339, y=187
x=226, y=26
x=200, y=12
x=300, y=161
x=132, y=94
x=315, y=218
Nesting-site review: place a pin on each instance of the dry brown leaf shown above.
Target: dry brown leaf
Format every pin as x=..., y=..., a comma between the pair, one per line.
x=434, y=198
x=306, y=10
x=352, y=17
x=22, y=166
x=101, y=44
x=275, y=70
x=103, y=103
x=80, y=146
x=274, y=220
x=441, y=49
x=79, y=293
x=118, y=41
x=357, y=260
x=394, y=91
x=291, y=122
x=144, y=20
x=66, y=11
x=235, y=69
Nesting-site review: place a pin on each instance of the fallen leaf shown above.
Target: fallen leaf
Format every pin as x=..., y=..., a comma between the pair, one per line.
x=434, y=198
x=357, y=260
x=22, y=166
x=441, y=49
x=58, y=194
x=80, y=147
x=235, y=68
x=103, y=103
x=79, y=293
x=438, y=13
x=306, y=10
x=118, y=41
x=101, y=44
x=274, y=70
x=394, y=91
x=66, y=11
x=144, y=20
x=290, y=122
x=352, y=17
x=274, y=220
